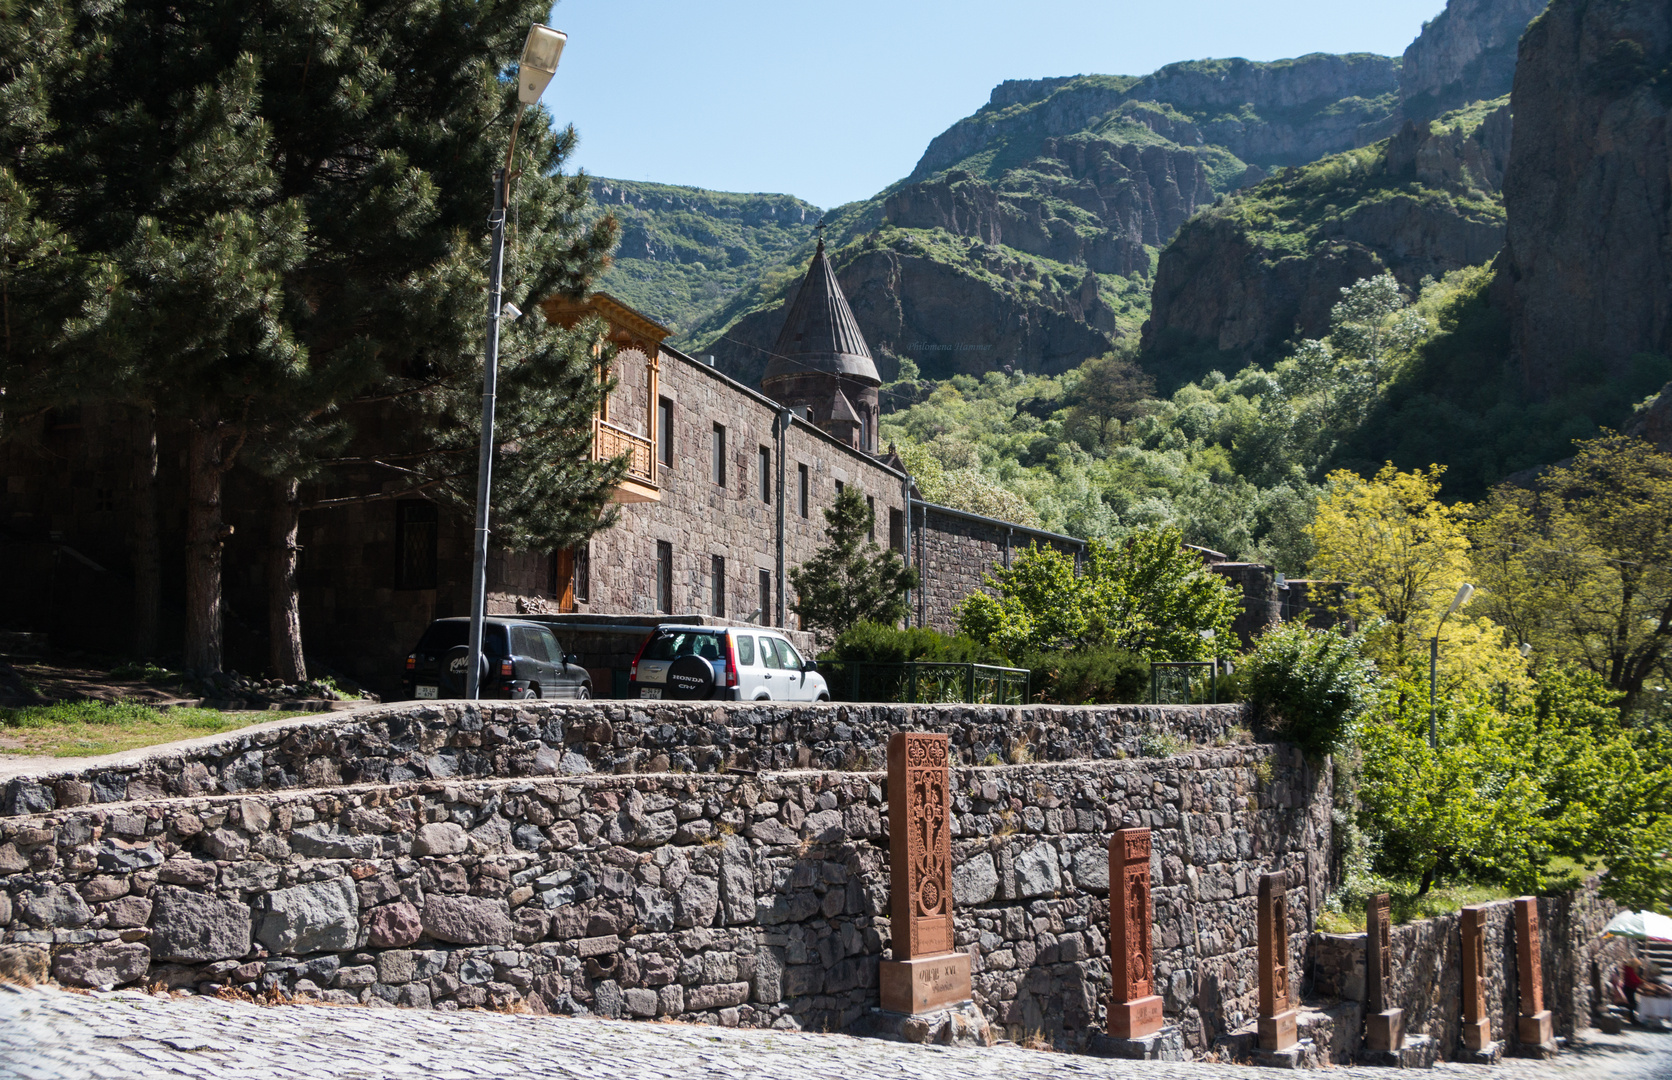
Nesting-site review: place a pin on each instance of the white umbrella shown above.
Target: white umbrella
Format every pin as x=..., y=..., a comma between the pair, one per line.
x=1640, y=924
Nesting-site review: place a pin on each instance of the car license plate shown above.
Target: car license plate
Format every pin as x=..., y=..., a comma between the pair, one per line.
x=426, y=691
x=645, y=692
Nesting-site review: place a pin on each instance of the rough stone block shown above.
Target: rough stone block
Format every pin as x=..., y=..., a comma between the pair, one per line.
x=102, y=967
x=467, y=920
x=394, y=925
x=1416, y=1052
x=1037, y=872
x=924, y=984
x=190, y=927
x=1164, y=1045
x=51, y=906
x=321, y=917
x=975, y=880
x=721, y=996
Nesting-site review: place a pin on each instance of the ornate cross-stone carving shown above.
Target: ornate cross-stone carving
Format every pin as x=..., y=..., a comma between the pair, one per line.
x=1133, y=1010
x=1477, y=1026
x=1533, y=1026
x=925, y=973
x=921, y=900
x=1384, y=1026
x=1277, y=1028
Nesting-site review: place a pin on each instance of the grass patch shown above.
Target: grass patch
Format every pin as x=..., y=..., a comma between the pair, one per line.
x=91, y=728
x=1407, y=906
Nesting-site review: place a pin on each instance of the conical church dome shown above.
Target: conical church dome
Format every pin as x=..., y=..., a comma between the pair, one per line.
x=820, y=334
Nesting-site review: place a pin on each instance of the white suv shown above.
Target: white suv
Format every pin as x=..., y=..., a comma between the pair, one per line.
x=729, y=663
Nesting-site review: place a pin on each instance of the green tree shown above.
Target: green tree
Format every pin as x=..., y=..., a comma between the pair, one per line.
x=1112, y=389
x=293, y=198
x=850, y=579
x=1311, y=686
x=1580, y=565
x=1148, y=595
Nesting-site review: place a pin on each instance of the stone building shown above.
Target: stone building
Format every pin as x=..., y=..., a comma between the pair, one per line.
x=723, y=495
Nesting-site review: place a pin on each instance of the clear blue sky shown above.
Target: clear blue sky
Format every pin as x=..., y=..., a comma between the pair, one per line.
x=834, y=101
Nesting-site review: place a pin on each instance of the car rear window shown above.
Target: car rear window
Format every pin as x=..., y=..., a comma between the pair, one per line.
x=683, y=643
x=442, y=636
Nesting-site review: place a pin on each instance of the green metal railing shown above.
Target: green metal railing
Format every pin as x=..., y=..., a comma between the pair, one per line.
x=1170, y=682
x=927, y=682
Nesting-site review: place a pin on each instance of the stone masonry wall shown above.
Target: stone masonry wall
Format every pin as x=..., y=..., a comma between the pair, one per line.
x=1428, y=967
x=454, y=740
x=757, y=900
x=953, y=555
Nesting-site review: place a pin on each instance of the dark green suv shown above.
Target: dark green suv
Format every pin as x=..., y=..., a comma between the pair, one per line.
x=520, y=659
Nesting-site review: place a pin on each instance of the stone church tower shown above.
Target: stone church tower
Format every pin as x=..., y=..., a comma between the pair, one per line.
x=821, y=366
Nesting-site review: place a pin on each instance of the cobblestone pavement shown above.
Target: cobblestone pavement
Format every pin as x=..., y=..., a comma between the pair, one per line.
x=49, y=1034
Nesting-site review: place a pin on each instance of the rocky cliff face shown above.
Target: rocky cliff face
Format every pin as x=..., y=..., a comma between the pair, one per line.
x=1266, y=266
x=984, y=312
x=1086, y=201
x=1587, y=265
x=1284, y=113
x=1465, y=54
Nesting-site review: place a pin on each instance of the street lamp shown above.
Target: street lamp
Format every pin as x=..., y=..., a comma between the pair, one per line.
x=1462, y=597
x=534, y=72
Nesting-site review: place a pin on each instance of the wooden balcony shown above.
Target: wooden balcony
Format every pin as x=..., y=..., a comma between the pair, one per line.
x=639, y=484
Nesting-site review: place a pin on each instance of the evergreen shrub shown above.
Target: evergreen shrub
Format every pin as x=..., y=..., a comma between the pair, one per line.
x=1100, y=675
x=1310, y=687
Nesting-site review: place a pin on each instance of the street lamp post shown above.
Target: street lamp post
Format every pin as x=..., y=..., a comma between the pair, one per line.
x=1462, y=597
x=540, y=54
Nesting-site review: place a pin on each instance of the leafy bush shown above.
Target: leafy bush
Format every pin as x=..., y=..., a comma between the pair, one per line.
x=1102, y=675
x=1310, y=686
x=875, y=643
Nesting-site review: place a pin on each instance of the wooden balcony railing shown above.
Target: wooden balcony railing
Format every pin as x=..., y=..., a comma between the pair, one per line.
x=609, y=441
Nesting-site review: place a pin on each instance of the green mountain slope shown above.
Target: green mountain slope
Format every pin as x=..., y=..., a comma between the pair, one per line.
x=686, y=252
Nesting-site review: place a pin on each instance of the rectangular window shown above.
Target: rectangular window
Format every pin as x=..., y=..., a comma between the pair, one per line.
x=745, y=650
x=896, y=529
x=766, y=475
x=766, y=598
x=664, y=576
x=719, y=454
x=664, y=431
x=871, y=518
x=801, y=478
x=583, y=573
x=840, y=487
x=717, y=575
x=415, y=544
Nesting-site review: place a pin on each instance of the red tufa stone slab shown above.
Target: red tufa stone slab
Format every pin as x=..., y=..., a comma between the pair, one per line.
x=1277, y=1027
x=925, y=984
x=1133, y=1010
x=1477, y=1026
x=926, y=974
x=1529, y=964
x=920, y=847
x=1384, y=1027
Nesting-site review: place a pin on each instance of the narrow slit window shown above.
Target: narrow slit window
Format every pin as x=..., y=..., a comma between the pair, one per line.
x=719, y=455
x=766, y=475
x=717, y=603
x=664, y=576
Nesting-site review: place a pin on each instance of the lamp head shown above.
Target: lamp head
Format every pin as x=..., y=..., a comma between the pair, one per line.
x=1526, y=649
x=1461, y=598
x=540, y=54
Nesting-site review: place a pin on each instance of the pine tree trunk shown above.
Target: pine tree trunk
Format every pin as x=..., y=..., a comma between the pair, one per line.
x=147, y=548
x=205, y=534
x=284, y=613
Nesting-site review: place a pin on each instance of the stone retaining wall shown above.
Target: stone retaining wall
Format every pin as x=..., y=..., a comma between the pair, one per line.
x=1428, y=968
x=758, y=900
x=453, y=740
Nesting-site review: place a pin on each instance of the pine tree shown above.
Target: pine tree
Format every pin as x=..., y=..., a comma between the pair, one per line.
x=850, y=580
x=294, y=196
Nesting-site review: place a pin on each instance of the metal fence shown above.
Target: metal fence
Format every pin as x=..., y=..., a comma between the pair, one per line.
x=927, y=682
x=1180, y=682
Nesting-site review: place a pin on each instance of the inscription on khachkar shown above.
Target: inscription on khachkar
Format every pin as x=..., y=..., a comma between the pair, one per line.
x=925, y=974
x=1134, y=1011
x=1384, y=1026
x=1477, y=1026
x=1533, y=1026
x=1277, y=1028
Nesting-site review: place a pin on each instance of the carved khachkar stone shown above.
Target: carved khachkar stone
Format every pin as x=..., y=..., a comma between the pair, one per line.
x=1384, y=1027
x=1277, y=1027
x=1533, y=1026
x=1477, y=1026
x=1134, y=1010
x=925, y=974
